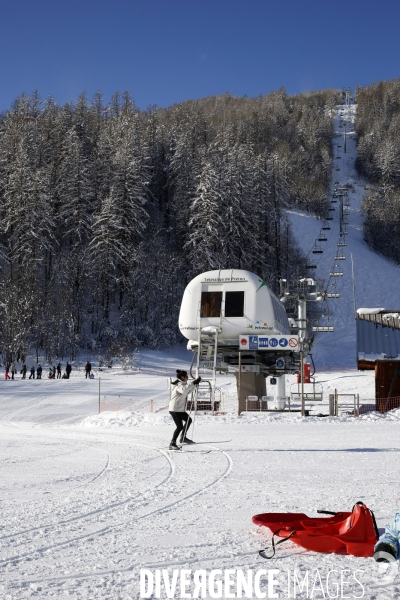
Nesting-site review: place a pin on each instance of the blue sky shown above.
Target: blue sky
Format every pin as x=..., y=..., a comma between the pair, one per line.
x=168, y=51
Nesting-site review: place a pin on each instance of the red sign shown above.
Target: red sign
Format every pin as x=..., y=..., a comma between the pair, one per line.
x=293, y=342
x=243, y=342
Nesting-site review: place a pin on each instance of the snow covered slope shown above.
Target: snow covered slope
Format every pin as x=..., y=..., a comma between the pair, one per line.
x=85, y=506
x=377, y=280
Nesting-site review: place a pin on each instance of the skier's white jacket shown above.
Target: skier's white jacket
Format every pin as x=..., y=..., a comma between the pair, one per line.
x=179, y=395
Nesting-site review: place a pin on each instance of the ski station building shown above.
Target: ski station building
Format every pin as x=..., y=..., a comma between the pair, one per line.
x=378, y=349
x=235, y=323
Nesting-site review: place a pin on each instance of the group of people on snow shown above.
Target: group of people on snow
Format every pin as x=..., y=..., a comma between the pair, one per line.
x=54, y=371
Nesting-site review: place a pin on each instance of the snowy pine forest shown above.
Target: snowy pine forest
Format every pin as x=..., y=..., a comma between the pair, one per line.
x=107, y=211
x=378, y=129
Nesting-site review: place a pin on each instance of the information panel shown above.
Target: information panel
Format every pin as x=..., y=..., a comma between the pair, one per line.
x=269, y=342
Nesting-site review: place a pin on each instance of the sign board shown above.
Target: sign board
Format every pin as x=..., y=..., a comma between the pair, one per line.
x=280, y=363
x=269, y=342
x=244, y=368
x=250, y=368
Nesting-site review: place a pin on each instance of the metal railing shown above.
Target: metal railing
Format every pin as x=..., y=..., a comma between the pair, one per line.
x=339, y=406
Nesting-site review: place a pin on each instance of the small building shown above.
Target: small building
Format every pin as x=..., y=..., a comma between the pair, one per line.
x=235, y=324
x=235, y=301
x=378, y=349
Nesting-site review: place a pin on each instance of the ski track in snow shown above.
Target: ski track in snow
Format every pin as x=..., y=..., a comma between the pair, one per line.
x=88, y=500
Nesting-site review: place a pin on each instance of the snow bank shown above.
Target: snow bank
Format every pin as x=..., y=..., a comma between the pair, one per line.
x=128, y=419
x=369, y=311
x=113, y=419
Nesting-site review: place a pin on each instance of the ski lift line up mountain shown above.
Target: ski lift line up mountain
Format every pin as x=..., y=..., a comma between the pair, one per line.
x=336, y=272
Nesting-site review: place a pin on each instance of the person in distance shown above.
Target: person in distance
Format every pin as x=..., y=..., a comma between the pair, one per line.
x=180, y=389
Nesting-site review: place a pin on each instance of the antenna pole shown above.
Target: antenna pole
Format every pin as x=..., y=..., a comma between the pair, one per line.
x=302, y=321
x=354, y=284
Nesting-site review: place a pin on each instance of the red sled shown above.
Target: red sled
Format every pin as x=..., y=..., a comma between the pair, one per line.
x=353, y=532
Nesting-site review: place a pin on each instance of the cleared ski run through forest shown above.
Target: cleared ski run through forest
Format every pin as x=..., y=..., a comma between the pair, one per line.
x=377, y=280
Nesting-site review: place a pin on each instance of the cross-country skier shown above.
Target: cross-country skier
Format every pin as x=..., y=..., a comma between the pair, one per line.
x=180, y=390
x=59, y=371
x=68, y=370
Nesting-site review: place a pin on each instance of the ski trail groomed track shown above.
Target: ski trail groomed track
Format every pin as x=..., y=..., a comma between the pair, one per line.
x=38, y=552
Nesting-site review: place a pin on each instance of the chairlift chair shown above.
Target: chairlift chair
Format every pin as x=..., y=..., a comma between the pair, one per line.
x=323, y=322
x=322, y=238
x=329, y=218
x=331, y=209
x=310, y=265
x=326, y=326
x=342, y=242
x=332, y=291
x=327, y=228
x=317, y=249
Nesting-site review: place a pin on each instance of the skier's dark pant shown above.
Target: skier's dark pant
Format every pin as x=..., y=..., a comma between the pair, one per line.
x=180, y=418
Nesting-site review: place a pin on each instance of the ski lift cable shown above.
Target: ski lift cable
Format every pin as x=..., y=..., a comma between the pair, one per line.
x=328, y=238
x=316, y=262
